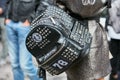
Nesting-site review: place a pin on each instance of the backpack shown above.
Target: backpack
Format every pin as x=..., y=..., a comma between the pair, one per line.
x=57, y=39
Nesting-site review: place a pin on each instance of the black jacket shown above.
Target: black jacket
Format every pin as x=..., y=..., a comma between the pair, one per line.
x=20, y=10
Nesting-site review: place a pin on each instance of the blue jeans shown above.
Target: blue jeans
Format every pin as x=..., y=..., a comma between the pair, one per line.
x=21, y=59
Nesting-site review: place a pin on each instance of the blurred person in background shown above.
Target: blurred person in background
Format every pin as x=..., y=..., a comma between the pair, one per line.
x=4, y=52
x=113, y=29
x=18, y=18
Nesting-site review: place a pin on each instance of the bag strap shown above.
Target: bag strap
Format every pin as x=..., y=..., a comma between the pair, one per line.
x=42, y=73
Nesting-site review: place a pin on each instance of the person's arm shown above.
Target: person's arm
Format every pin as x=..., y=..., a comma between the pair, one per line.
x=112, y=13
x=114, y=19
x=8, y=9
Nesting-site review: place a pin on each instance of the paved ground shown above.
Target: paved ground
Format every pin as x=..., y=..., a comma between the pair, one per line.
x=6, y=72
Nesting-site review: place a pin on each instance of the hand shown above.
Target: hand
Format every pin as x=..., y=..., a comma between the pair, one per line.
x=1, y=11
x=7, y=21
x=26, y=23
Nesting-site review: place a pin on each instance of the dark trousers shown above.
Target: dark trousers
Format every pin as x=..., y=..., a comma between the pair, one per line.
x=114, y=46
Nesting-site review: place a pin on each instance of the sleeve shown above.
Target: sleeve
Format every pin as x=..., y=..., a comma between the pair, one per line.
x=112, y=13
x=8, y=8
x=114, y=18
